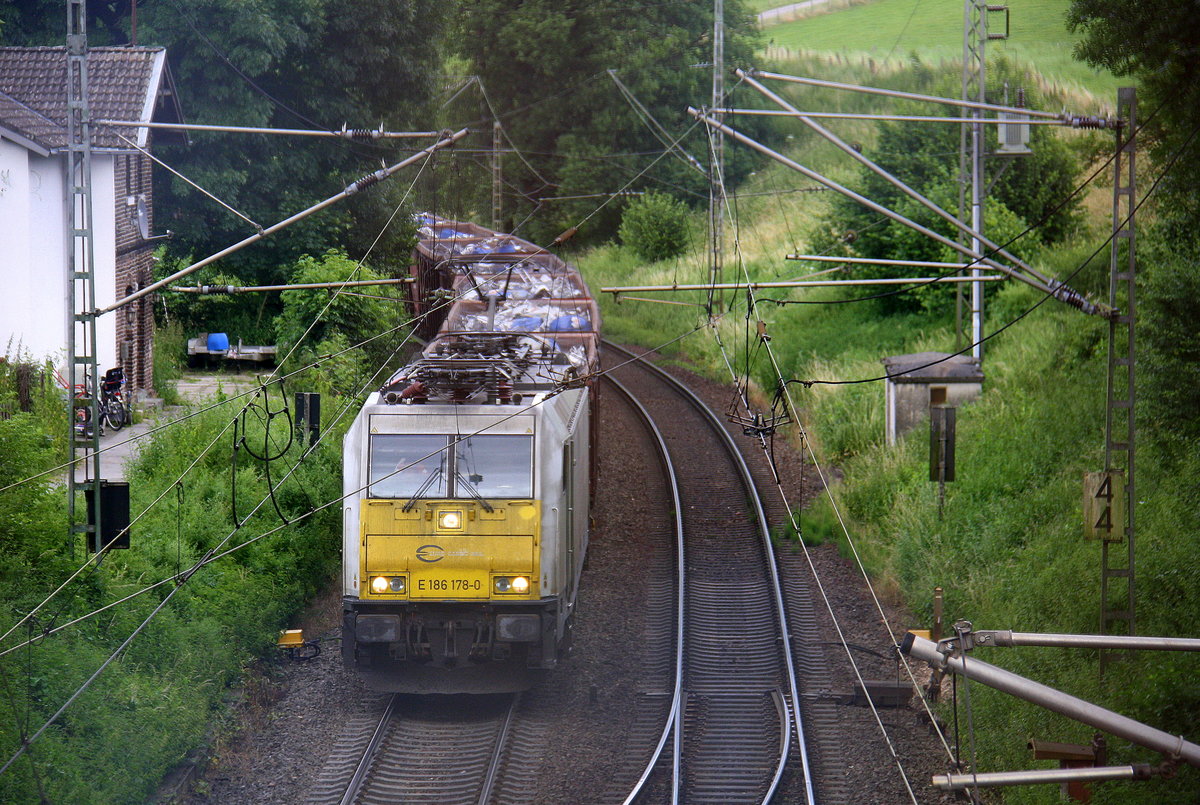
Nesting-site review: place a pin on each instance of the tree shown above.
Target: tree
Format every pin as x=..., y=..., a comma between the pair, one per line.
x=1157, y=42
x=655, y=226
x=544, y=65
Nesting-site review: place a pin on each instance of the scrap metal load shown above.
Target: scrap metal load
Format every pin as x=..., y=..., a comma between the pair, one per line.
x=487, y=295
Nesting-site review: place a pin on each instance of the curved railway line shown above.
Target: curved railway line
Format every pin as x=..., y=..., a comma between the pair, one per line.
x=737, y=712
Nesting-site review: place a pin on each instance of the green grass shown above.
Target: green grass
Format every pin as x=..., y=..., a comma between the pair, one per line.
x=933, y=29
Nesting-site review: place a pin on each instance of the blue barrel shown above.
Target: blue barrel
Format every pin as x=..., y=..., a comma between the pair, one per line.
x=218, y=342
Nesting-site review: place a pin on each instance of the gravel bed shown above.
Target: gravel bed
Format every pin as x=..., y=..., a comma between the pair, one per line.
x=274, y=743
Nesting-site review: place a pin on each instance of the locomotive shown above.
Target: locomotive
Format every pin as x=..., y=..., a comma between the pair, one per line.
x=466, y=476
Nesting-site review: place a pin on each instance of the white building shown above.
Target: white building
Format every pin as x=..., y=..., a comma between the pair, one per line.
x=129, y=83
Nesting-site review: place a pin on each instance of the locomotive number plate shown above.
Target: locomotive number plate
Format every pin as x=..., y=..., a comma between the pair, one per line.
x=459, y=585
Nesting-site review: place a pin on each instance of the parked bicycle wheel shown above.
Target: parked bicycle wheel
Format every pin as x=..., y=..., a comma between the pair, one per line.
x=113, y=413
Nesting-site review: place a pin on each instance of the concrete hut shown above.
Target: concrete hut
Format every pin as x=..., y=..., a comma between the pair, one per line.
x=914, y=386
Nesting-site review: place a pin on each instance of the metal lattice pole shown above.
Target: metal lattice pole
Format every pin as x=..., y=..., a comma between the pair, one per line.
x=1117, y=566
x=82, y=346
x=716, y=197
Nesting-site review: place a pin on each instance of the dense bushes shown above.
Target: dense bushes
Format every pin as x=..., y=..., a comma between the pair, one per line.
x=655, y=227
x=155, y=702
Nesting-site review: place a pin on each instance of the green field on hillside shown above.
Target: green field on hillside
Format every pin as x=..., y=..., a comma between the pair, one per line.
x=933, y=29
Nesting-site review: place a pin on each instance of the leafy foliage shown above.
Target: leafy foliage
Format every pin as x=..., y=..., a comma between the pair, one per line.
x=1169, y=369
x=544, y=66
x=156, y=701
x=1025, y=191
x=655, y=226
x=1157, y=43
x=322, y=322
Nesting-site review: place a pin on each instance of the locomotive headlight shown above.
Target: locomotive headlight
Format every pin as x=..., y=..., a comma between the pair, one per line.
x=450, y=519
x=518, y=585
x=386, y=584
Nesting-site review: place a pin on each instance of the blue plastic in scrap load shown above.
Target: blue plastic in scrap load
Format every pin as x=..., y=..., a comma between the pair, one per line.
x=446, y=234
x=218, y=342
x=526, y=324
x=570, y=324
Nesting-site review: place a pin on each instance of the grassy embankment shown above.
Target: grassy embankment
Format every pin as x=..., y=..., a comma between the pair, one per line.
x=1008, y=550
x=158, y=699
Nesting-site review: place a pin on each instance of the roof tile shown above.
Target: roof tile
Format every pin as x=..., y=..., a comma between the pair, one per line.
x=36, y=78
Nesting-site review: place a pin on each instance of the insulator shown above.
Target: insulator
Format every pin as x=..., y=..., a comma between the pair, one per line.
x=366, y=181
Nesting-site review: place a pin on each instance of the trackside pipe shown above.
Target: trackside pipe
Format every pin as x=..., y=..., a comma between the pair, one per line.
x=1054, y=289
x=959, y=782
x=1173, y=746
x=1004, y=637
x=295, y=286
x=351, y=189
x=912, y=96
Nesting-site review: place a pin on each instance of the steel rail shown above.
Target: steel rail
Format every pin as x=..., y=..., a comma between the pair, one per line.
x=364, y=764
x=674, y=721
x=489, y=780
x=793, y=713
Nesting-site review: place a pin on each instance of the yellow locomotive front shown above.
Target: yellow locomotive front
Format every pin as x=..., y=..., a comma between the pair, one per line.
x=463, y=541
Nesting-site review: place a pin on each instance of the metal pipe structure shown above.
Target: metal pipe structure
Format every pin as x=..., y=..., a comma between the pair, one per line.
x=354, y=187
x=896, y=118
x=959, y=782
x=1004, y=637
x=344, y=133
x=973, y=230
x=912, y=96
x=230, y=289
x=738, y=286
x=875, y=261
x=879, y=208
x=1173, y=746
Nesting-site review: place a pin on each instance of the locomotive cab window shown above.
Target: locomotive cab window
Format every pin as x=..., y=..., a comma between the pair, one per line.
x=439, y=466
x=408, y=465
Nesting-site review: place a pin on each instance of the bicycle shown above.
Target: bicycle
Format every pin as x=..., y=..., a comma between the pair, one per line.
x=114, y=408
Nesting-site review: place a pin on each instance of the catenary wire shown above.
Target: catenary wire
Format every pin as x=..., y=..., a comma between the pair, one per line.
x=787, y=503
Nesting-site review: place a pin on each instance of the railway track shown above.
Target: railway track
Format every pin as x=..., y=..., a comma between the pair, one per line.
x=716, y=715
x=424, y=750
x=735, y=715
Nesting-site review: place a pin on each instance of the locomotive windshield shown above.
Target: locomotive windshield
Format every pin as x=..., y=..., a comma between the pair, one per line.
x=439, y=466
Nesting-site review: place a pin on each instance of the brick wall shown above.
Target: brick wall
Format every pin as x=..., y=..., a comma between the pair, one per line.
x=135, y=268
